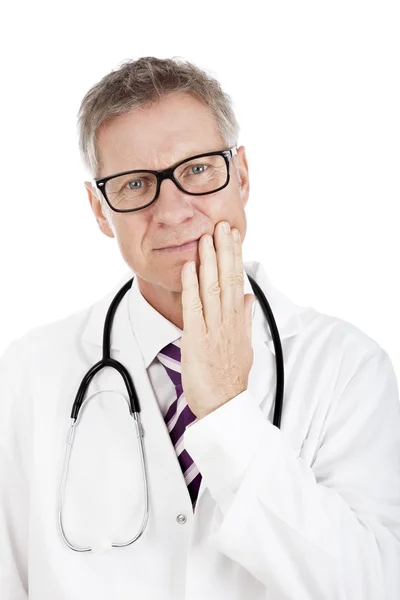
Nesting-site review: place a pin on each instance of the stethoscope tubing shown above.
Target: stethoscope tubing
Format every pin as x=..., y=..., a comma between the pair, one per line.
x=134, y=404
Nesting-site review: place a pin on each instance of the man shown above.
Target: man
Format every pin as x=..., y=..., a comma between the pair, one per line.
x=238, y=508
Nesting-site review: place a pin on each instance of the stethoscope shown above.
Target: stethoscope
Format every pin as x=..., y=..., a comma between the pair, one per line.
x=134, y=405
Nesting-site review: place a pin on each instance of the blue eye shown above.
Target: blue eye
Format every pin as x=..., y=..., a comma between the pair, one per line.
x=131, y=184
x=200, y=169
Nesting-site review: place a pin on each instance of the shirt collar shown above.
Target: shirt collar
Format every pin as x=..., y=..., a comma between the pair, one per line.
x=153, y=331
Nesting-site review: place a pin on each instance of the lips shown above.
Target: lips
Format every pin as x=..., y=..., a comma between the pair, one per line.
x=181, y=244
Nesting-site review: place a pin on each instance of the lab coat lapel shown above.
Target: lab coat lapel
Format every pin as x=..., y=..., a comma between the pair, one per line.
x=262, y=377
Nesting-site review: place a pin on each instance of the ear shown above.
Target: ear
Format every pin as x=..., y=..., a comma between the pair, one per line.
x=97, y=209
x=243, y=169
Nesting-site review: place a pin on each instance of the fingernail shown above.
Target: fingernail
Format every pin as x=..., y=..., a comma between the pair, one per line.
x=226, y=227
x=209, y=240
x=235, y=234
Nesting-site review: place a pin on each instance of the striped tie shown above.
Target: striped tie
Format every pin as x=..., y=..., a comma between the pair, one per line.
x=179, y=416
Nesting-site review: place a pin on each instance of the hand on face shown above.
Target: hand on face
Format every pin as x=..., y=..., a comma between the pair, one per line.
x=216, y=349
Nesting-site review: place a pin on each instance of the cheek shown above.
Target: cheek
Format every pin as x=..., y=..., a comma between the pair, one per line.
x=220, y=206
x=128, y=239
x=129, y=230
x=231, y=208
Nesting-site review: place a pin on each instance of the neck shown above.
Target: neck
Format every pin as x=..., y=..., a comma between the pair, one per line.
x=167, y=302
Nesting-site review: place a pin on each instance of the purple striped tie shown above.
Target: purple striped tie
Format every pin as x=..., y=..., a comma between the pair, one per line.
x=179, y=416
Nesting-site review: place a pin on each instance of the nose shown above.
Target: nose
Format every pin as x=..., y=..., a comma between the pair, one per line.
x=172, y=205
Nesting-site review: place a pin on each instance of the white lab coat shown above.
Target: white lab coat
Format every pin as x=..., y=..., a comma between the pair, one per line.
x=310, y=511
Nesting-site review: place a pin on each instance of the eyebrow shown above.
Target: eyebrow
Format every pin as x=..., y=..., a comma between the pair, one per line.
x=187, y=157
x=169, y=167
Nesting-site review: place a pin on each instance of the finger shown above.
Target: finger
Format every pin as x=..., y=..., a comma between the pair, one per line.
x=192, y=310
x=209, y=283
x=249, y=300
x=239, y=272
x=226, y=272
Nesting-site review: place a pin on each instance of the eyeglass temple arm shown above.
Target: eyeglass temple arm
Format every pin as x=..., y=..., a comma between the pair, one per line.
x=233, y=152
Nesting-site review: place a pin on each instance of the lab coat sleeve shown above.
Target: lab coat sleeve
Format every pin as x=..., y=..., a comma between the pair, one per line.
x=14, y=494
x=329, y=531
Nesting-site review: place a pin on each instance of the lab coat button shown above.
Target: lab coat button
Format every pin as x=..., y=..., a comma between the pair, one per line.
x=181, y=519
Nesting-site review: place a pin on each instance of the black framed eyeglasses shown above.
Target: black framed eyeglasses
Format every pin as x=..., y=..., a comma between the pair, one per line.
x=197, y=175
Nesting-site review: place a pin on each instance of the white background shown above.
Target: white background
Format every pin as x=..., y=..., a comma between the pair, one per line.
x=316, y=91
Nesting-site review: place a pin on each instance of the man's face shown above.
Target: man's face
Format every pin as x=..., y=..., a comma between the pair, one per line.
x=177, y=127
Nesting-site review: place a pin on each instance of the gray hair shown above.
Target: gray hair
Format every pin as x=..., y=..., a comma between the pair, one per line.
x=141, y=82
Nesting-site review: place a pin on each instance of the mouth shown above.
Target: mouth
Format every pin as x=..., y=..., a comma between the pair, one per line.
x=190, y=245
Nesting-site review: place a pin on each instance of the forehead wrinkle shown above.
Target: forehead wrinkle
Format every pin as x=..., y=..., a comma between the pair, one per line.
x=168, y=159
